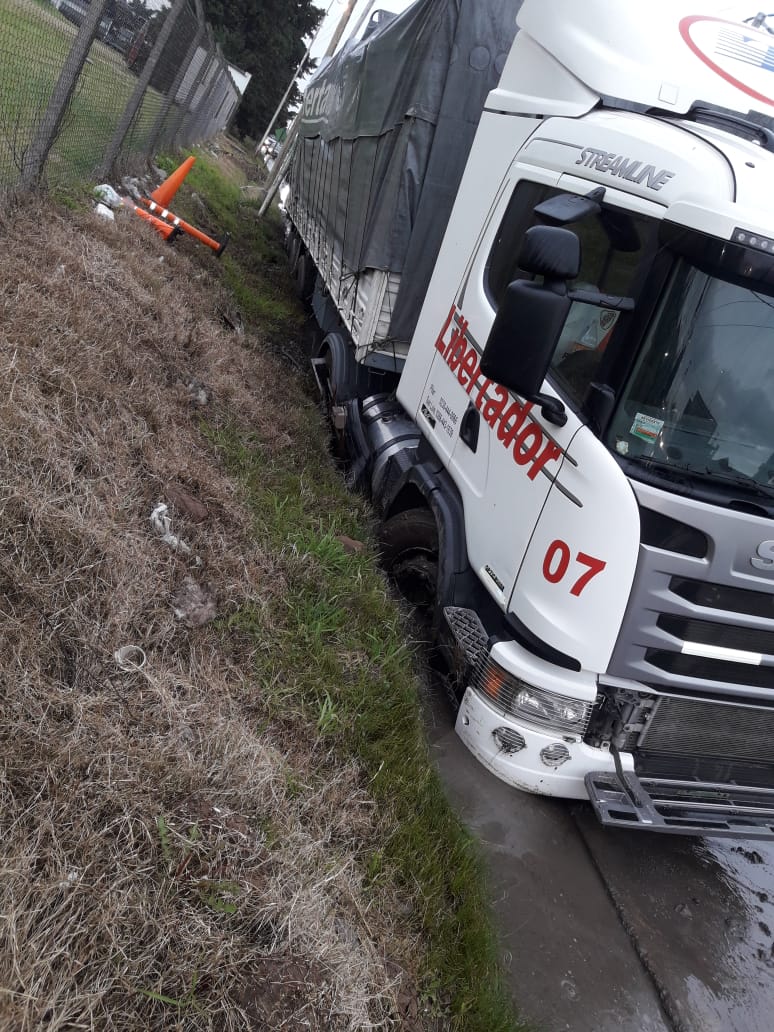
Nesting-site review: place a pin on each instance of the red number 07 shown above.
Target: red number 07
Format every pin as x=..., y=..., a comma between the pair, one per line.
x=557, y=563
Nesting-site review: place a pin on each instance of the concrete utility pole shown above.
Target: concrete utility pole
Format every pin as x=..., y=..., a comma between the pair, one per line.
x=282, y=160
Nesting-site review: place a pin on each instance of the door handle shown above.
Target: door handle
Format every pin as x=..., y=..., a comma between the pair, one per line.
x=469, y=427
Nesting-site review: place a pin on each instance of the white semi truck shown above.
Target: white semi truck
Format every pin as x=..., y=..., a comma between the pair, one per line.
x=543, y=264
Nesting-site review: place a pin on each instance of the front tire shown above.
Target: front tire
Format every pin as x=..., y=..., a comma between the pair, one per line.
x=409, y=551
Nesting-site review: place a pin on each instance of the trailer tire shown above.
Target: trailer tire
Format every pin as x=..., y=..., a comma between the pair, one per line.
x=409, y=553
x=294, y=250
x=305, y=275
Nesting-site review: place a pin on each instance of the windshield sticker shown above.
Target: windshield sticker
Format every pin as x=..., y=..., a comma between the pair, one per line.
x=647, y=428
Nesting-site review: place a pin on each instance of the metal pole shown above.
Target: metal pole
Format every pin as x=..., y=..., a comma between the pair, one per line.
x=50, y=124
x=363, y=17
x=284, y=100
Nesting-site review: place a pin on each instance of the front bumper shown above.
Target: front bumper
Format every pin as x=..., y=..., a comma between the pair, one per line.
x=681, y=807
x=477, y=722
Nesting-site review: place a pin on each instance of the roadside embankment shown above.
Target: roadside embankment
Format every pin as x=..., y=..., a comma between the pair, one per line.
x=216, y=804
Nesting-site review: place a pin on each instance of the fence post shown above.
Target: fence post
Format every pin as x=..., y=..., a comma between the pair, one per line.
x=135, y=100
x=177, y=134
x=48, y=128
x=178, y=81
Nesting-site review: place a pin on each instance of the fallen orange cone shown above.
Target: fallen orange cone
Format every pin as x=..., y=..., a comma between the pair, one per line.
x=164, y=193
x=218, y=246
x=164, y=228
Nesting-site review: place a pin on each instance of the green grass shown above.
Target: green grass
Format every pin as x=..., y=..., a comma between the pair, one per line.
x=34, y=42
x=333, y=654
x=332, y=659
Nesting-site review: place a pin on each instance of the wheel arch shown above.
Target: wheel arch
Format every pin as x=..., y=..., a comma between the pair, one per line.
x=415, y=482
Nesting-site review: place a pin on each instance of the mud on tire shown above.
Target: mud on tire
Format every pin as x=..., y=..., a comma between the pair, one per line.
x=409, y=553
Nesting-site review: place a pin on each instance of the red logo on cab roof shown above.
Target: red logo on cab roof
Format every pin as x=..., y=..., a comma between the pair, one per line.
x=730, y=50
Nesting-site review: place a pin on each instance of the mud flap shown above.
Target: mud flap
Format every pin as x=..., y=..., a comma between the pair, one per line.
x=681, y=807
x=322, y=378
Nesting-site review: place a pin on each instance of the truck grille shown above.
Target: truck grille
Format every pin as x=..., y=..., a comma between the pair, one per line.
x=697, y=727
x=707, y=741
x=699, y=624
x=720, y=596
x=701, y=668
x=710, y=632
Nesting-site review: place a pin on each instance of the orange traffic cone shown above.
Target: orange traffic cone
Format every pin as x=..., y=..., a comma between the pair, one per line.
x=163, y=194
x=168, y=232
x=218, y=246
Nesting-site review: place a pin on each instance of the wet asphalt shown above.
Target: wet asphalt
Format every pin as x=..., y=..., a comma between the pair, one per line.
x=616, y=931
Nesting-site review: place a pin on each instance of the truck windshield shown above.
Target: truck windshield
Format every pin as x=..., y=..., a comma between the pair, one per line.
x=700, y=400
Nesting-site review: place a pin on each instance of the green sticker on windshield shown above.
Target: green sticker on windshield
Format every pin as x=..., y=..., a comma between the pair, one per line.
x=647, y=428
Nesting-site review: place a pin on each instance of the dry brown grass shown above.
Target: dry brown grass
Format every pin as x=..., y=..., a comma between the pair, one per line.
x=167, y=860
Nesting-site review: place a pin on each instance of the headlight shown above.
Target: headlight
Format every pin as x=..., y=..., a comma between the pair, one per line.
x=531, y=704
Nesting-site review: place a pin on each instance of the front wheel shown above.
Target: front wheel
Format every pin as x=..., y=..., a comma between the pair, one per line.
x=409, y=550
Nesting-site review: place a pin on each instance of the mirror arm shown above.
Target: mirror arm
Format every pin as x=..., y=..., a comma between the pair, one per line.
x=551, y=409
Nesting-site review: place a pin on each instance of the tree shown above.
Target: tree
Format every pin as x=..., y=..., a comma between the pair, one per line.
x=265, y=38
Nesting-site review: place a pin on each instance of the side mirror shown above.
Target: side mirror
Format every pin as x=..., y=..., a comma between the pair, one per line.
x=531, y=318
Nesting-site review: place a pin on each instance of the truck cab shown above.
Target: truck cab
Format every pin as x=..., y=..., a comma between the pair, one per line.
x=586, y=408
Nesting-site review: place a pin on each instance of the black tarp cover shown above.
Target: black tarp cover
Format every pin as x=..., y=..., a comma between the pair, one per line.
x=386, y=130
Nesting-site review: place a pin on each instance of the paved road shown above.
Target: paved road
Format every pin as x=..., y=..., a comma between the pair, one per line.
x=612, y=931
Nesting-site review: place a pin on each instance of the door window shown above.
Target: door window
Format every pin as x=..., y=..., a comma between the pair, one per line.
x=617, y=248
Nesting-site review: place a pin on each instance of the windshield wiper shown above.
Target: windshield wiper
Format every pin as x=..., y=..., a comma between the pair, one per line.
x=668, y=468
x=707, y=474
x=740, y=480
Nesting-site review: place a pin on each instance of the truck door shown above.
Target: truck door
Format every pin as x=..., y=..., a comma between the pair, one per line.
x=502, y=453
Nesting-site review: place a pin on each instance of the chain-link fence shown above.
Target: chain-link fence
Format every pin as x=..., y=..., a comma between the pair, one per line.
x=93, y=87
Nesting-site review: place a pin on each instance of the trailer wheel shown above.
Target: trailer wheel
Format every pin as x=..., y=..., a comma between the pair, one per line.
x=293, y=250
x=305, y=275
x=409, y=551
